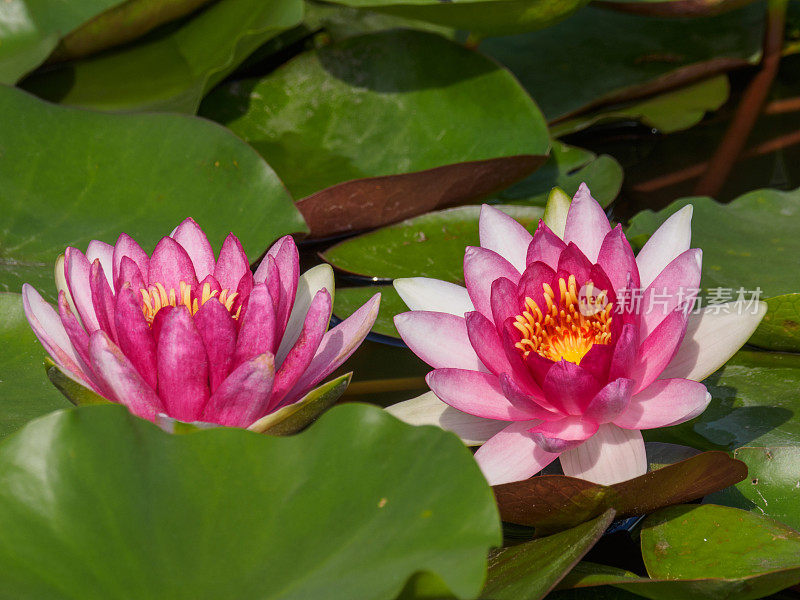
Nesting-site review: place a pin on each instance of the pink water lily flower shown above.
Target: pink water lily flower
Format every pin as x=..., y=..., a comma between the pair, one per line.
x=190, y=336
x=565, y=345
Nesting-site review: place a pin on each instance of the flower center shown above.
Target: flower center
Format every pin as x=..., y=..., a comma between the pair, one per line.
x=156, y=297
x=569, y=327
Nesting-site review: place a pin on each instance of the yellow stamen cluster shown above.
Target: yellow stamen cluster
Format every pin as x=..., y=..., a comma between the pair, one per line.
x=568, y=328
x=156, y=297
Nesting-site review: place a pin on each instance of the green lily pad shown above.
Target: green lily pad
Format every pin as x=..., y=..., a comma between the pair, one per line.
x=567, y=168
x=530, y=570
x=174, y=69
x=772, y=487
x=667, y=112
x=553, y=502
x=385, y=126
x=67, y=179
x=734, y=238
x=430, y=245
x=486, y=17
x=25, y=392
x=227, y=513
x=598, y=57
x=29, y=30
x=755, y=402
x=348, y=301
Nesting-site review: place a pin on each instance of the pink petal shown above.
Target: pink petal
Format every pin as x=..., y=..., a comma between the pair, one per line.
x=127, y=246
x=424, y=293
x=512, y=455
x=573, y=262
x=257, y=328
x=121, y=378
x=527, y=400
x=587, y=224
x=48, y=328
x=610, y=456
x=129, y=273
x=669, y=241
x=504, y=301
x=189, y=235
x=244, y=395
x=78, y=272
x=102, y=300
x=531, y=285
x=287, y=260
x=559, y=436
x=218, y=331
x=569, y=388
x=77, y=335
x=611, y=401
x=232, y=263
x=182, y=367
x=301, y=354
x=478, y=394
x=663, y=403
x=481, y=268
x=485, y=343
x=659, y=348
x=546, y=246
x=336, y=347
x=625, y=352
x=103, y=252
x=135, y=338
x=678, y=283
x=502, y=234
x=440, y=339
x=618, y=261
x=169, y=265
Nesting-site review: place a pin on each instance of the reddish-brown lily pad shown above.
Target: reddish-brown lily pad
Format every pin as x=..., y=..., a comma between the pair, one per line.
x=554, y=502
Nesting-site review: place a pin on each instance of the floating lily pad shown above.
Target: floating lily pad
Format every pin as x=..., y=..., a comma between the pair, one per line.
x=755, y=402
x=25, y=392
x=29, y=30
x=70, y=176
x=431, y=245
x=348, y=300
x=567, y=168
x=734, y=238
x=488, y=17
x=553, y=502
x=385, y=126
x=667, y=112
x=598, y=57
x=772, y=487
x=174, y=69
x=229, y=513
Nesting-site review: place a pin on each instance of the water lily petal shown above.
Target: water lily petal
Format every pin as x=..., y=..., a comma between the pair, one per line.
x=182, y=367
x=618, y=261
x=309, y=283
x=60, y=275
x=625, y=352
x=665, y=402
x=563, y=434
x=504, y=302
x=77, y=334
x=257, y=327
x=478, y=394
x=669, y=241
x=301, y=354
x=218, y=331
x=244, y=394
x=610, y=456
x=287, y=260
x=677, y=284
x=712, y=337
x=484, y=341
x=169, y=265
x=611, y=401
x=232, y=263
x=103, y=252
x=193, y=239
x=481, y=268
x=504, y=235
x=129, y=273
x=78, y=281
x=127, y=246
x=440, y=339
x=531, y=285
x=102, y=300
x=569, y=388
x=512, y=455
x=122, y=379
x=546, y=246
x=587, y=224
x=427, y=409
x=574, y=262
x=425, y=293
x=658, y=349
x=336, y=347
x=134, y=336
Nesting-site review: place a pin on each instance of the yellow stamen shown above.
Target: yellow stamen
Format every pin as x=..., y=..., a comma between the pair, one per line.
x=157, y=297
x=563, y=330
